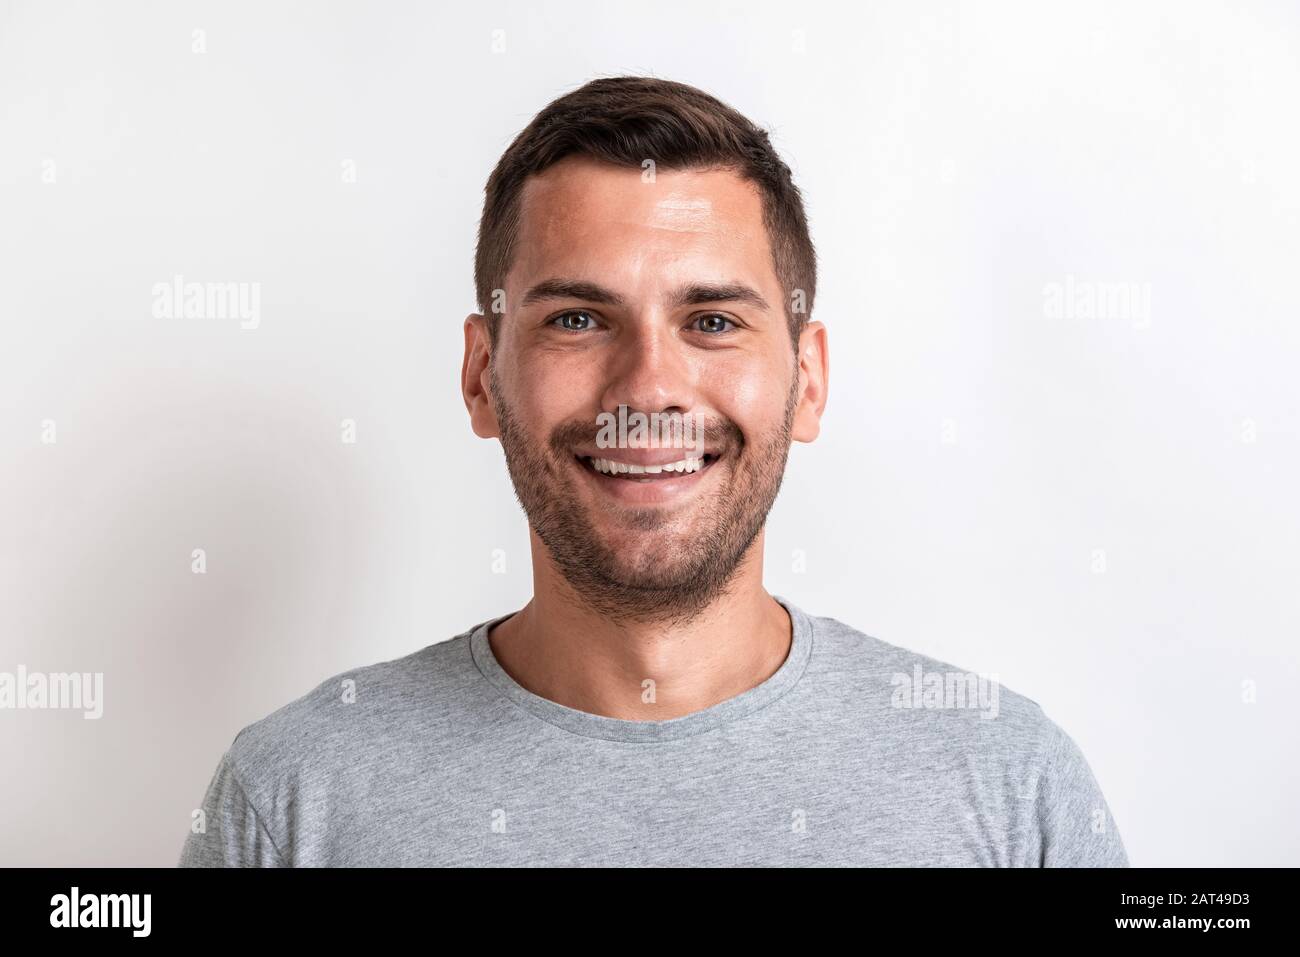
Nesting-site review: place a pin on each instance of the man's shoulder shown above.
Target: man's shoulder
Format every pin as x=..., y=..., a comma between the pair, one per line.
x=356, y=714
x=923, y=696
x=996, y=745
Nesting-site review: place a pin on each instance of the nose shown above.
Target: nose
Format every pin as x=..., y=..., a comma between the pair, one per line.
x=650, y=372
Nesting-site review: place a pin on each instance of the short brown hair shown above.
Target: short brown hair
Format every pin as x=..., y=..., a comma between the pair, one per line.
x=626, y=120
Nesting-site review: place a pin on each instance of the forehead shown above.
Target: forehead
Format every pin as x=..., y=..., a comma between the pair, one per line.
x=581, y=217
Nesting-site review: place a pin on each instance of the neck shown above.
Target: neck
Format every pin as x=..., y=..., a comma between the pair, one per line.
x=560, y=648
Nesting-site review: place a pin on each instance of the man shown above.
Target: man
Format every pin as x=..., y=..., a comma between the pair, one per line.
x=644, y=252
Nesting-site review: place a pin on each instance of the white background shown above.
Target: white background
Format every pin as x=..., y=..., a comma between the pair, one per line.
x=977, y=456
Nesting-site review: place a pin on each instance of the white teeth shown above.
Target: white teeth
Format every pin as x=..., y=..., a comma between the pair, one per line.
x=611, y=467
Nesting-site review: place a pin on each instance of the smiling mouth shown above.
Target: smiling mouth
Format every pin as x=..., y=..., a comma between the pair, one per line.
x=614, y=469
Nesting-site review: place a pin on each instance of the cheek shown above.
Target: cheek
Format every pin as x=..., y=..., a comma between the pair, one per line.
x=551, y=389
x=753, y=395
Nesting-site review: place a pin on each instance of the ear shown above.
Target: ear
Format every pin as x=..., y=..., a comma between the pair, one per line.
x=474, y=377
x=814, y=380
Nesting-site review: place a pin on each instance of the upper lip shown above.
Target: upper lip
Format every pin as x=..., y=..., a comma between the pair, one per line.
x=659, y=456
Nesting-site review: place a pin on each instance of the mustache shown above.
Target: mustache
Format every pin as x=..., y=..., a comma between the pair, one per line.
x=720, y=433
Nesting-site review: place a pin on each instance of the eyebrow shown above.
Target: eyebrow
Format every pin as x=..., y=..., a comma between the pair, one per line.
x=692, y=294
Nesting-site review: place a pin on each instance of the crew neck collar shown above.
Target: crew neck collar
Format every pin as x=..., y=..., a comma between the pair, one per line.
x=617, y=729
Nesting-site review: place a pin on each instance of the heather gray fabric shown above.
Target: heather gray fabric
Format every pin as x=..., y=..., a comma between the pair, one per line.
x=443, y=759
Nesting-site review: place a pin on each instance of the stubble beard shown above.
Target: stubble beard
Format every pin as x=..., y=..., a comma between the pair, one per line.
x=677, y=570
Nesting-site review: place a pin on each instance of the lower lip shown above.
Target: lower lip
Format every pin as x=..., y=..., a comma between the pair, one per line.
x=656, y=491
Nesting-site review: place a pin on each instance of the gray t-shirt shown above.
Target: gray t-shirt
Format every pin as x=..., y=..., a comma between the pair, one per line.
x=855, y=752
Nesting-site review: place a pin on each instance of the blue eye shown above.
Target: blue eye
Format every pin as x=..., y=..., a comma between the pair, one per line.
x=712, y=319
x=564, y=316
x=579, y=320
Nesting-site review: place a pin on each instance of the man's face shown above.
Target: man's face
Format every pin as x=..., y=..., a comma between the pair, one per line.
x=661, y=297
